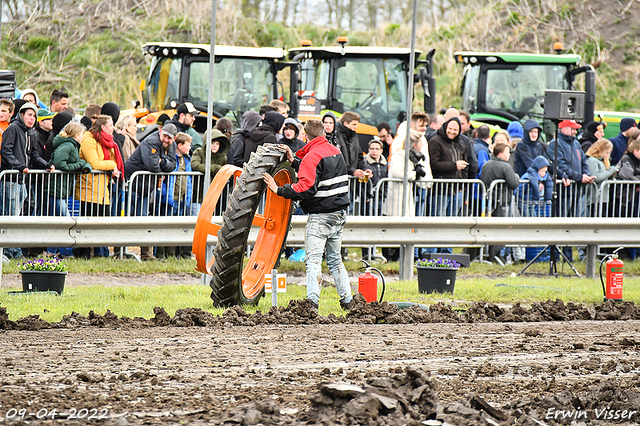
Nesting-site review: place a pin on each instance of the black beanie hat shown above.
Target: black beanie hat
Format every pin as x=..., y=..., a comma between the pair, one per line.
x=593, y=126
x=162, y=118
x=111, y=109
x=60, y=120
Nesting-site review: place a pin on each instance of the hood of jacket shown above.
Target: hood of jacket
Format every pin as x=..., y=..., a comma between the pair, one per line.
x=217, y=135
x=33, y=92
x=312, y=143
x=18, y=118
x=59, y=140
x=296, y=128
x=271, y=124
x=250, y=120
x=539, y=162
x=17, y=104
x=273, y=119
x=112, y=110
x=515, y=129
x=528, y=126
x=332, y=116
x=370, y=160
x=442, y=132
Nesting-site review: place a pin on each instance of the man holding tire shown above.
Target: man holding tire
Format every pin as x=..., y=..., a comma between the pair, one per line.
x=323, y=192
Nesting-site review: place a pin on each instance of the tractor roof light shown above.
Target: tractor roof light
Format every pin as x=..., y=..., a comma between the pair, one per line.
x=343, y=40
x=165, y=51
x=195, y=51
x=558, y=47
x=305, y=43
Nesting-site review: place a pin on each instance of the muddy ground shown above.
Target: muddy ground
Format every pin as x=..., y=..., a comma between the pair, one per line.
x=377, y=366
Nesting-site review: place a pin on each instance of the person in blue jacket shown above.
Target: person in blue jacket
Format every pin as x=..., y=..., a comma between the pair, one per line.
x=483, y=147
x=620, y=142
x=534, y=197
x=176, y=194
x=529, y=147
x=571, y=166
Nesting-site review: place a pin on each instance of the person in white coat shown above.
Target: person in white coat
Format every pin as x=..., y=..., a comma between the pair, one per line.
x=419, y=169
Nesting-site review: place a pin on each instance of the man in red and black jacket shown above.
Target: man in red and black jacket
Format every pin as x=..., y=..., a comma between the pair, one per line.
x=323, y=192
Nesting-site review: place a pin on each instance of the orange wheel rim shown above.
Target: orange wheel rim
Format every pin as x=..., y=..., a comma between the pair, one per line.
x=204, y=226
x=273, y=224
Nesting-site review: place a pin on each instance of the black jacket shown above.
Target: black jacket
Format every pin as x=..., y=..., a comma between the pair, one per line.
x=350, y=147
x=150, y=156
x=18, y=148
x=266, y=133
x=474, y=167
x=323, y=183
x=444, y=152
x=44, y=148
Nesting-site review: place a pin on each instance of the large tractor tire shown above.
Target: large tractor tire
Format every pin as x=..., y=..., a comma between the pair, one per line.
x=230, y=283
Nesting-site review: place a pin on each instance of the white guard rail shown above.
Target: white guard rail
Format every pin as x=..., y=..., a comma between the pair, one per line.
x=21, y=231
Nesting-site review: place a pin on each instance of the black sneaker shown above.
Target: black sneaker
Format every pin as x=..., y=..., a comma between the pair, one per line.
x=347, y=306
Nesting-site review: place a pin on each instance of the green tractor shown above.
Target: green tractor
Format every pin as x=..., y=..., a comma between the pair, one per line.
x=498, y=88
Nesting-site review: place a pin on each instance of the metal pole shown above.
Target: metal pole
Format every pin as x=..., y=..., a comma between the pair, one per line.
x=1, y=255
x=1, y=7
x=406, y=251
x=274, y=287
x=207, y=143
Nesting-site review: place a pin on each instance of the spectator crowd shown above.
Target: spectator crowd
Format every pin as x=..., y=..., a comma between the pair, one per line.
x=110, y=168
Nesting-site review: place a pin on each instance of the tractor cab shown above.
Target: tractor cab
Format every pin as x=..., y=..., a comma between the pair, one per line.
x=498, y=88
x=371, y=81
x=244, y=79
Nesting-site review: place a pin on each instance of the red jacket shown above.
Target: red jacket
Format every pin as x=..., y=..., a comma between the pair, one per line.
x=323, y=182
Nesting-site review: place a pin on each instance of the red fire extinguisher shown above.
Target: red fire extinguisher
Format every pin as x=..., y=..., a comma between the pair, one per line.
x=368, y=283
x=612, y=288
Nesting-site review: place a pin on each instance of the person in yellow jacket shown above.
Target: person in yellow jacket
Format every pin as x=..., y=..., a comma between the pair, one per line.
x=101, y=152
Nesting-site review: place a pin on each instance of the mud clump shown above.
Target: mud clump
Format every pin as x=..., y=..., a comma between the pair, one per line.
x=299, y=312
x=607, y=403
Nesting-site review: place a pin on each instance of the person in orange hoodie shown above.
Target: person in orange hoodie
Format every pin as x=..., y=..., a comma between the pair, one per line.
x=6, y=111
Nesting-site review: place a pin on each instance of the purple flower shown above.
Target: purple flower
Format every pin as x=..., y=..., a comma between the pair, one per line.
x=438, y=263
x=43, y=265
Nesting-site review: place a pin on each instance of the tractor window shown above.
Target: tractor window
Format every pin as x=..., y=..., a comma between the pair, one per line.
x=374, y=88
x=470, y=88
x=321, y=82
x=520, y=90
x=240, y=85
x=164, y=83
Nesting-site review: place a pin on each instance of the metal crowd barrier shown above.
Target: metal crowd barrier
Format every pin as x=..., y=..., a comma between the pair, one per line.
x=609, y=199
x=429, y=198
x=181, y=193
x=169, y=194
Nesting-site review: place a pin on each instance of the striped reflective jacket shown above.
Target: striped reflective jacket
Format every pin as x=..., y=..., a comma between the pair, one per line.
x=323, y=182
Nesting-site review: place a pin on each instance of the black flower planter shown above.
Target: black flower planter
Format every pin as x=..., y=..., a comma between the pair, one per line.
x=43, y=281
x=436, y=280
